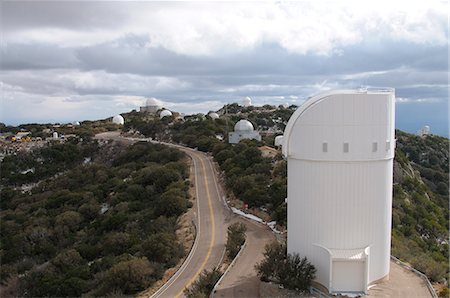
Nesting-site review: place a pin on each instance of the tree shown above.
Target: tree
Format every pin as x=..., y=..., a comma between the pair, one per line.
x=128, y=276
x=289, y=270
x=203, y=286
x=235, y=239
x=162, y=248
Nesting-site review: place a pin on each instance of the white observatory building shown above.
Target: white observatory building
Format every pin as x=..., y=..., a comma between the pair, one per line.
x=165, y=113
x=424, y=131
x=246, y=102
x=118, y=119
x=340, y=148
x=278, y=141
x=243, y=130
x=152, y=105
x=213, y=115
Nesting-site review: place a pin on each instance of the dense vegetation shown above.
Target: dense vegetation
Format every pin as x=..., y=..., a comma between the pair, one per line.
x=204, y=285
x=98, y=229
x=289, y=270
x=29, y=167
x=235, y=239
x=420, y=216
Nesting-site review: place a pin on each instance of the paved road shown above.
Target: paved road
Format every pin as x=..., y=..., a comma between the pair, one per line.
x=241, y=280
x=212, y=221
x=209, y=247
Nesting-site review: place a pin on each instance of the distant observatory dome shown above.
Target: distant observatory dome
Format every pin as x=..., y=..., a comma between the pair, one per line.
x=165, y=113
x=213, y=116
x=152, y=102
x=76, y=123
x=118, y=119
x=243, y=125
x=246, y=102
x=55, y=135
x=278, y=141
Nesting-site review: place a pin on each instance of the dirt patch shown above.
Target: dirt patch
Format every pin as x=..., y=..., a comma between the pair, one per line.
x=272, y=290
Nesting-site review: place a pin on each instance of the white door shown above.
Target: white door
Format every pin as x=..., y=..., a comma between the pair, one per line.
x=348, y=276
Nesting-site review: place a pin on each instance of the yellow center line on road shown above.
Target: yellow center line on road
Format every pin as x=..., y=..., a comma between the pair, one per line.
x=213, y=232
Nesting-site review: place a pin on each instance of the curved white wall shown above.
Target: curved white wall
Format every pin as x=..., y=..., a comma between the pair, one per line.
x=340, y=149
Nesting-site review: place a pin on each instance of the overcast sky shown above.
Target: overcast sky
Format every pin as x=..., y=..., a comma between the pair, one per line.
x=67, y=61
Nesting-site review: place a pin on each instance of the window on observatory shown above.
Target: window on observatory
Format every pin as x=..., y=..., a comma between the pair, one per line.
x=346, y=146
x=325, y=147
x=388, y=145
x=374, y=147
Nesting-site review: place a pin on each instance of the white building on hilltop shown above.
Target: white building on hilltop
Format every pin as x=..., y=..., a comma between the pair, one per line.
x=243, y=130
x=165, y=113
x=118, y=119
x=424, y=131
x=152, y=105
x=340, y=148
x=246, y=102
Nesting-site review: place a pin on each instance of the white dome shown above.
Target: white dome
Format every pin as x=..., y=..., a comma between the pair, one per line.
x=243, y=125
x=152, y=102
x=76, y=123
x=165, y=113
x=247, y=101
x=278, y=141
x=118, y=119
x=213, y=115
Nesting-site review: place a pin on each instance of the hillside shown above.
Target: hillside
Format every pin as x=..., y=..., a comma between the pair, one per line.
x=95, y=224
x=420, y=216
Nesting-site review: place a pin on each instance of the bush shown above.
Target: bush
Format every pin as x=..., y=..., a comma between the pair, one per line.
x=235, y=239
x=292, y=271
x=203, y=286
x=128, y=276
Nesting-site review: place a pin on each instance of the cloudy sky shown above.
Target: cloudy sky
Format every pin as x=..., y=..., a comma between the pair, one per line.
x=66, y=61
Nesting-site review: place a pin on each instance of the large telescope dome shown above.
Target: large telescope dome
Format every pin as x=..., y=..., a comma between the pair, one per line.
x=243, y=125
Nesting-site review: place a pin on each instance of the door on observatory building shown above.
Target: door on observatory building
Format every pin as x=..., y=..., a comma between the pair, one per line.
x=348, y=276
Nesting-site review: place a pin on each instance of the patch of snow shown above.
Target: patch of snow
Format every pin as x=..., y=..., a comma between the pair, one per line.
x=272, y=227
x=30, y=170
x=246, y=215
x=105, y=207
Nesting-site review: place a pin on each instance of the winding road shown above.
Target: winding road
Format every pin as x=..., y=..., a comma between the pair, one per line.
x=212, y=222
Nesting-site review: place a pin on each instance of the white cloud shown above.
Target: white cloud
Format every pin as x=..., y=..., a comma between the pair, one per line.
x=402, y=100
x=199, y=28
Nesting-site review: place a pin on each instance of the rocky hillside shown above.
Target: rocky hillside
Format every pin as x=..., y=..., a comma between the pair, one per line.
x=420, y=206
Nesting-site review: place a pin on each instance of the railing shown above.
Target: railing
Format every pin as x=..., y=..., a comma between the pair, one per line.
x=420, y=274
x=228, y=269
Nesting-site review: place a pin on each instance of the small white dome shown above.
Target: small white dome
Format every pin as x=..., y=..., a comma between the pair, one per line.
x=165, y=113
x=278, y=141
x=76, y=123
x=118, y=119
x=152, y=102
x=243, y=125
x=246, y=102
x=213, y=115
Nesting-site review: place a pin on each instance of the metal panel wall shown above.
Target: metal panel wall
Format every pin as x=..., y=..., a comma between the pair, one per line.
x=338, y=199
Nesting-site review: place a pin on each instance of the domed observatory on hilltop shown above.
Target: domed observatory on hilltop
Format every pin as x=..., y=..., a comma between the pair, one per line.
x=118, y=119
x=152, y=106
x=213, y=115
x=246, y=101
x=340, y=148
x=165, y=113
x=278, y=141
x=243, y=130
